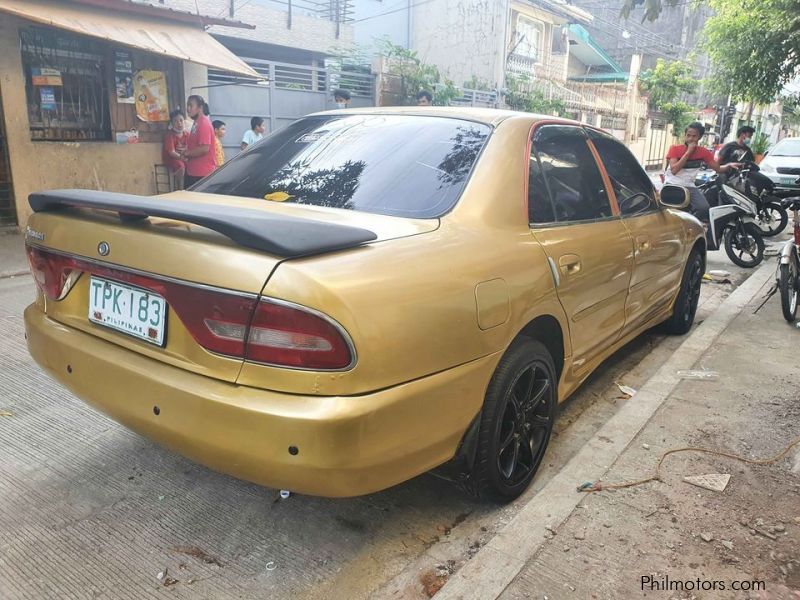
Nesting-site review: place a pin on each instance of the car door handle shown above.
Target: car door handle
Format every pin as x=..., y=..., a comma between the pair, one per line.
x=642, y=243
x=570, y=264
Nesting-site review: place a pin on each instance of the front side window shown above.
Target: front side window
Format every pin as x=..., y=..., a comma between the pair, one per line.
x=632, y=186
x=576, y=188
x=399, y=165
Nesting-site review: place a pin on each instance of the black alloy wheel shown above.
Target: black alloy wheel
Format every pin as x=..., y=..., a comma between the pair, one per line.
x=685, y=308
x=516, y=421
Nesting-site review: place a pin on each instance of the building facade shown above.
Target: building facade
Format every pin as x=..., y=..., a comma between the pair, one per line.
x=86, y=95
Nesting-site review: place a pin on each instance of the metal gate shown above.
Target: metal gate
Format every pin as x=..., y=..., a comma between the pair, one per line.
x=288, y=92
x=654, y=158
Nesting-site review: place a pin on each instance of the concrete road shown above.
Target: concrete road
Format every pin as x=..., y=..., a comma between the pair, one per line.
x=91, y=510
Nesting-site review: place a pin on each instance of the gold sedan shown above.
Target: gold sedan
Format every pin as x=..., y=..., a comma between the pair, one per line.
x=364, y=295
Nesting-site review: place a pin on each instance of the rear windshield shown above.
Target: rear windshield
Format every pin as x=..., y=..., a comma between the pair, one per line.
x=409, y=166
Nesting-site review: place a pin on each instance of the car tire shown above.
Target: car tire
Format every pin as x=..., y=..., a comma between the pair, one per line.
x=516, y=422
x=685, y=307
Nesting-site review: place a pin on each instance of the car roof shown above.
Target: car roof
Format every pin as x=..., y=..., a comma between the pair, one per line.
x=489, y=116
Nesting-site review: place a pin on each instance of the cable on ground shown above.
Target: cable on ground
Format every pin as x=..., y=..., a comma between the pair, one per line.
x=598, y=486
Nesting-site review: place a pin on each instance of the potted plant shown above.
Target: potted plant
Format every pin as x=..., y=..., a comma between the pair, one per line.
x=760, y=146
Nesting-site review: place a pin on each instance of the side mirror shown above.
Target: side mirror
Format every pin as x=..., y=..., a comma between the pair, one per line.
x=674, y=196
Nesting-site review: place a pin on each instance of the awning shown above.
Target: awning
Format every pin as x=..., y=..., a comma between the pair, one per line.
x=588, y=51
x=156, y=35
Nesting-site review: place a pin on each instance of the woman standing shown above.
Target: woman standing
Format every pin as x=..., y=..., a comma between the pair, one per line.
x=199, y=155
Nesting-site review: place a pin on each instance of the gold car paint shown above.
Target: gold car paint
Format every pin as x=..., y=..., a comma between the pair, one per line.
x=659, y=246
x=165, y=247
x=408, y=303
x=492, y=303
x=346, y=446
x=595, y=264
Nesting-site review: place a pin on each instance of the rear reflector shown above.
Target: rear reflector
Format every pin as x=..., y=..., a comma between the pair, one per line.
x=221, y=321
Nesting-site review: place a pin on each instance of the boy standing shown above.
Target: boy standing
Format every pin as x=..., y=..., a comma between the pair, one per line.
x=255, y=133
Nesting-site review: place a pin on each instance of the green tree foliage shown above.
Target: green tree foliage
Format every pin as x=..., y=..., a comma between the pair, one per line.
x=665, y=84
x=519, y=96
x=415, y=75
x=754, y=46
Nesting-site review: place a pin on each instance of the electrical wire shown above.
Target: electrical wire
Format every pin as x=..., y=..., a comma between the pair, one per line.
x=596, y=486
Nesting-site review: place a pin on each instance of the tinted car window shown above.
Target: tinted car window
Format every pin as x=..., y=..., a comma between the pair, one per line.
x=399, y=165
x=540, y=206
x=632, y=186
x=573, y=178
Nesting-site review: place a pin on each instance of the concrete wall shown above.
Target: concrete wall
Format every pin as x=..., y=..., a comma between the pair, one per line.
x=462, y=37
x=50, y=165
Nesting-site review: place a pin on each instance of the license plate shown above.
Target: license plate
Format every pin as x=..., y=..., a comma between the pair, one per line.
x=131, y=310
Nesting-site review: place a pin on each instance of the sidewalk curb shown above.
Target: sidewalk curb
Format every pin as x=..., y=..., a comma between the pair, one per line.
x=496, y=565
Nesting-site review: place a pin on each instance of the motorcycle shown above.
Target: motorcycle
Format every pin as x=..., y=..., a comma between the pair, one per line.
x=732, y=221
x=788, y=274
x=771, y=216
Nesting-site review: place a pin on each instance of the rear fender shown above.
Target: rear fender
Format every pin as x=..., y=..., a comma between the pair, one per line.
x=788, y=252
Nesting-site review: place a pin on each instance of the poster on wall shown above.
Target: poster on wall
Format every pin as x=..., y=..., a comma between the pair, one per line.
x=123, y=76
x=42, y=76
x=152, y=98
x=48, y=98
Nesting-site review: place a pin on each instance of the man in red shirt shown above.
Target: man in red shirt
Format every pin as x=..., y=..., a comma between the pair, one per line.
x=199, y=153
x=685, y=161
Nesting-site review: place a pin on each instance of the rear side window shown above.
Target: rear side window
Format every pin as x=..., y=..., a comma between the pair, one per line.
x=632, y=186
x=577, y=191
x=400, y=165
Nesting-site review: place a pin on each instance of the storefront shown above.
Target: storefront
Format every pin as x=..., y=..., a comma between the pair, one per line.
x=86, y=90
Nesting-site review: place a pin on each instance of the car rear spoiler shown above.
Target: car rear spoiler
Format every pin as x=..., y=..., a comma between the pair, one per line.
x=276, y=234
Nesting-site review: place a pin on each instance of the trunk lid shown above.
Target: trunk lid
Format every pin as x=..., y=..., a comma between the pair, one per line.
x=178, y=259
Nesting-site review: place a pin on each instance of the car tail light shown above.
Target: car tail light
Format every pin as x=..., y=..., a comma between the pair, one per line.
x=222, y=321
x=54, y=274
x=295, y=336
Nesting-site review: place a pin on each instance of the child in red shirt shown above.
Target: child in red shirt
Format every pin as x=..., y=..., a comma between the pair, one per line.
x=175, y=143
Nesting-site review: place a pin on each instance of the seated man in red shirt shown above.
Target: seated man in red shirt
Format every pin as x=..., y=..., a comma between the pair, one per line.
x=685, y=160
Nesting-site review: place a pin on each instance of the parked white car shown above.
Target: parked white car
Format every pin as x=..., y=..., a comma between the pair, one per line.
x=782, y=165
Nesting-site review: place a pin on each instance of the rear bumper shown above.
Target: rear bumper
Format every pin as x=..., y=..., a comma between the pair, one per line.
x=347, y=446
